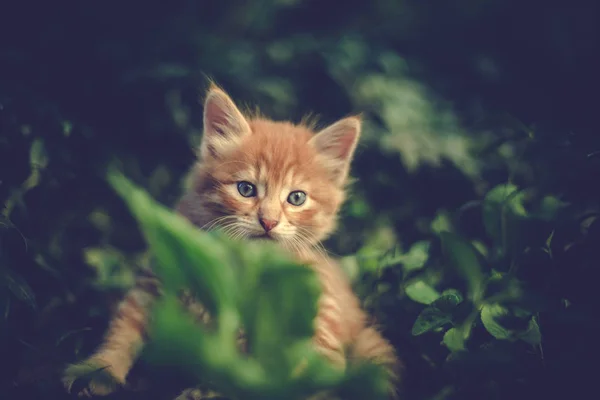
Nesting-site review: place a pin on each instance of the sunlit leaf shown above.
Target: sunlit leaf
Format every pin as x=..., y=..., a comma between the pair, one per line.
x=441, y=223
x=489, y=316
x=421, y=292
x=454, y=339
x=416, y=257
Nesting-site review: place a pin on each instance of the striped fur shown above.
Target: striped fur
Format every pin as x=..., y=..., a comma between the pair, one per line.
x=277, y=158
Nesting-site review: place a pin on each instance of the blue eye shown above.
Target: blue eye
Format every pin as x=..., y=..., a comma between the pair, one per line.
x=297, y=198
x=246, y=189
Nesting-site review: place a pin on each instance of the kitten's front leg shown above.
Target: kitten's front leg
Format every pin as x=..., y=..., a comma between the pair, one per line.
x=107, y=369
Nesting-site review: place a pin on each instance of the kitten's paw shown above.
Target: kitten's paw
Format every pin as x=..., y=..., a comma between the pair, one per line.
x=90, y=378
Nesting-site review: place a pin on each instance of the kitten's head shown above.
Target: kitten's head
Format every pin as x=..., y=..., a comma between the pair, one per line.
x=257, y=178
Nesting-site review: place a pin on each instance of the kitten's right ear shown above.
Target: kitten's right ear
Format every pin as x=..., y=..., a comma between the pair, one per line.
x=224, y=124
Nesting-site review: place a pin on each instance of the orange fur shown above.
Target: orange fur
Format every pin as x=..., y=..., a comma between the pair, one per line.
x=276, y=159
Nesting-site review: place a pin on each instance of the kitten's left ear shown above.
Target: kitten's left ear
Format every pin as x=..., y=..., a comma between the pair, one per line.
x=224, y=124
x=336, y=144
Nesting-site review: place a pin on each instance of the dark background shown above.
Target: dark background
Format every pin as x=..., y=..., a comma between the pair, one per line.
x=458, y=96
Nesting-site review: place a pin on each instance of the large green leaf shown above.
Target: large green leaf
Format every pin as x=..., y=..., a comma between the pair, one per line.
x=280, y=319
x=250, y=285
x=179, y=248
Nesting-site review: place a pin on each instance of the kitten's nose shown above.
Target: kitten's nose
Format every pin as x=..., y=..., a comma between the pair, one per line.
x=268, y=224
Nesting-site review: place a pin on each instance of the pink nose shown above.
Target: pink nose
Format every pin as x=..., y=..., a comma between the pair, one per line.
x=268, y=224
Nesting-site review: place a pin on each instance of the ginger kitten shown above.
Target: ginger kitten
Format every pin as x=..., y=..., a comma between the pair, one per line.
x=266, y=180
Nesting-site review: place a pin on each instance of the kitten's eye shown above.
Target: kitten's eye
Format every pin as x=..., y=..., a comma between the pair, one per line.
x=246, y=189
x=297, y=198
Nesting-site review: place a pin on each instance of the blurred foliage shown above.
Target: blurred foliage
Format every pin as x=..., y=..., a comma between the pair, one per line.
x=244, y=285
x=473, y=221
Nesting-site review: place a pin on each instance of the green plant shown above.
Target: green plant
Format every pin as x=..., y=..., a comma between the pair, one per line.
x=254, y=287
x=496, y=296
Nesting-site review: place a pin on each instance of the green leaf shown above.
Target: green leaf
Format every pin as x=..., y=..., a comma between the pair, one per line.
x=111, y=267
x=67, y=128
x=83, y=373
x=503, y=287
x=494, y=209
x=454, y=340
x=184, y=254
x=441, y=223
x=279, y=318
x=17, y=286
x=449, y=300
x=489, y=316
x=532, y=335
x=250, y=282
x=421, y=292
x=549, y=240
x=436, y=315
x=510, y=323
x=416, y=257
x=548, y=208
x=38, y=158
x=430, y=319
x=462, y=256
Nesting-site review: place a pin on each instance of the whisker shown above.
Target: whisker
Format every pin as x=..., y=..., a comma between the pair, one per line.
x=209, y=225
x=305, y=236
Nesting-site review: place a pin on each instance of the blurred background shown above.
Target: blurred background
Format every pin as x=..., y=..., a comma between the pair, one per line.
x=458, y=96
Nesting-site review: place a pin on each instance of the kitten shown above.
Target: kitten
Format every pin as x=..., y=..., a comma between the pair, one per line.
x=260, y=179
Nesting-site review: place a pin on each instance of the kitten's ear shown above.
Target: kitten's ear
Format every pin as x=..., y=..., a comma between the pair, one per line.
x=224, y=124
x=336, y=144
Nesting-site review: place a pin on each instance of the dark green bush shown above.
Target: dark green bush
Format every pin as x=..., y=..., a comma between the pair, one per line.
x=473, y=221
